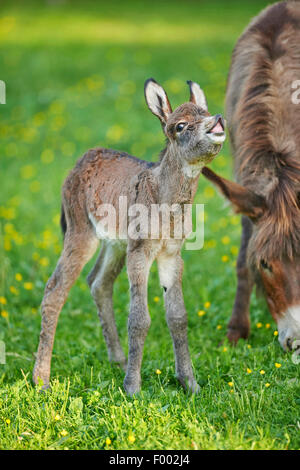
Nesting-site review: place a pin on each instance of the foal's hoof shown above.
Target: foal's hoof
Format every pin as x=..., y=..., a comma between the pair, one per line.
x=189, y=384
x=131, y=387
x=41, y=381
x=121, y=363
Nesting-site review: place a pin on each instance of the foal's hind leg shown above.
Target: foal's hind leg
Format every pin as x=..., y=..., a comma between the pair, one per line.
x=101, y=280
x=239, y=325
x=78, y=249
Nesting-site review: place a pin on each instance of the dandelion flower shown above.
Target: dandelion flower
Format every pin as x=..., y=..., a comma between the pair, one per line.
x=13, y=290
x=44, y=261
x=262, y=372
x=224, y=349
x=267, y=385
x=207, y=304
x=277, y=365
x=4, y=314
x=7, y=421
x=3, y=301
x=219, y=327
x=268, y=325
x=28, y=285
x=63, y=433
x=131, y=438
x=230, y=384
x=156, y=299
x=225, y=258
x=259, y=325
x=158, y=372
x=225, y=240
x=108, y=441
x=57, y=417
x=201, y=313
x=275, y=333
x=249, y=371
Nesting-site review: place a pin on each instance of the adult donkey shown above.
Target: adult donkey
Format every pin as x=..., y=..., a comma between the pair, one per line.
x=264, y=127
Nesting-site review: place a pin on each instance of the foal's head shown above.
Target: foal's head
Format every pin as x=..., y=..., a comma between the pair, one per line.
x=192, y=133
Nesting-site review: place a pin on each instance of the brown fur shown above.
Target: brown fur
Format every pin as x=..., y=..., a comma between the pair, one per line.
x=103, y=176
x=264, y=127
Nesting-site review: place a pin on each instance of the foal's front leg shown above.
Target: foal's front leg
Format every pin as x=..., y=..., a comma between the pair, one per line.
x=138, y=266
x=170, y=273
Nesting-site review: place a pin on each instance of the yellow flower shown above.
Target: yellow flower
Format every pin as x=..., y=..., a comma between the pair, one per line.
x=107, y=441
x=249, y=346
x=277, y=365
x=4, y=314
x=249, y=371
x=267, y=385
x=7, y=421
x=131, y=438
x=18, y=277
x=225, y=240
x=3, y=301
x=275, y=333
x=225, y=258
x=201, y=313
x=234, y=250
x=268, y=325
x=207, y=304
x=156, y=299
x=219, y=327
x=28, y=285
x=258, y=325
x=262, y=372
x=44, y=261
x=13, y=290
x=63, y=433
x=230, y=384
x=158, y=372
x=224, y=349
x=57, y=417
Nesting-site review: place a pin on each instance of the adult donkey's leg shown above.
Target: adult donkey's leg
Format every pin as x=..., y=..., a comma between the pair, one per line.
x=170, y=273
x=138, y=266
x=78, y=249
x=239, y=325
x=101, y=281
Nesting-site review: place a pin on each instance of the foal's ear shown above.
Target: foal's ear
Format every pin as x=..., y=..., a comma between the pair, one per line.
x=243, y=200
x=197, y=95
x=157, y=100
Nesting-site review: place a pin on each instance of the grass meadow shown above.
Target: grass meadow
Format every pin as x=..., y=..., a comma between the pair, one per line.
x=74, y=74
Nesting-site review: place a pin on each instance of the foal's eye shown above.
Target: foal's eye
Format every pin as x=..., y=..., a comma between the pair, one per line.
x=180, y=126
x=265, y=265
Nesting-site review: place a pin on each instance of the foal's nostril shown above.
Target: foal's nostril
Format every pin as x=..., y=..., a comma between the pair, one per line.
x=218, y=126
x=220, y=120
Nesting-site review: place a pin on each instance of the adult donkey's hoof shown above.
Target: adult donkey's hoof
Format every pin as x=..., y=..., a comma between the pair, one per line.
x=236, y=333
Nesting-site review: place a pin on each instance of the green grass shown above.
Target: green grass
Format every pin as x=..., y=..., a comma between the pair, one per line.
x=74, y=77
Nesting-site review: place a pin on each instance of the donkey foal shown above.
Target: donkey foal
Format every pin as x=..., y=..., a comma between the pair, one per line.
x=102, y=177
